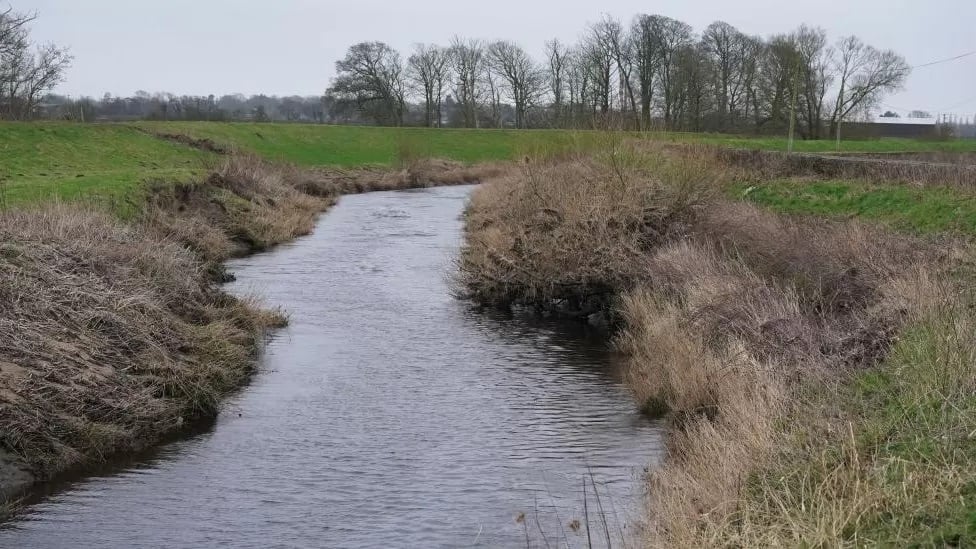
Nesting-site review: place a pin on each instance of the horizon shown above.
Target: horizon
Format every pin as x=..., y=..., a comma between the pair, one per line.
x=228, y=60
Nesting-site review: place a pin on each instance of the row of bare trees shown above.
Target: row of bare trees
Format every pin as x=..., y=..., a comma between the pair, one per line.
x=27, y=70
x=655, y=73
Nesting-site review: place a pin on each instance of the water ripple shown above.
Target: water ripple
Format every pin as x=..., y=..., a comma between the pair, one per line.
x=387, y=414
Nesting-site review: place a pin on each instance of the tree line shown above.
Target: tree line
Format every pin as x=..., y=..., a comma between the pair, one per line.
x=168, y=106
x=28, y=70
x=653, y=73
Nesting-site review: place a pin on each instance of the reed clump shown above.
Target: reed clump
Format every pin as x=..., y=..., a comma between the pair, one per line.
x=751, y=331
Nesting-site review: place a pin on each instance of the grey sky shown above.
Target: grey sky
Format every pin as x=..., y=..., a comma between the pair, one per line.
x=287, y=47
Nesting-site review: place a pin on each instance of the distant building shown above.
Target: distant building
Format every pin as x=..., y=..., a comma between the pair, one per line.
x=912, y=128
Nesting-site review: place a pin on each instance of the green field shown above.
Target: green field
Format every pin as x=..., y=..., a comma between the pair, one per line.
x=70, y=161
x=902, y=207
x=351, y=146
x=46, y=160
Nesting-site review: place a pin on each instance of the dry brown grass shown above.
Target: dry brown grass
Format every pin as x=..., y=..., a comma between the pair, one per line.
x=109, y=337
x=760, y=165
x=418, y=173
x=563, y=234
x=245, y=205
x=732, y=317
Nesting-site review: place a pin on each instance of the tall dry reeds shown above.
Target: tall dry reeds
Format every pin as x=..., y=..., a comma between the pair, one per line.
x=566, y=233
x=732, y=316
x=109, y=337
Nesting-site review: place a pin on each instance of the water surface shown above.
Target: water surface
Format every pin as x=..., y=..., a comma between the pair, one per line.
x=388, y=414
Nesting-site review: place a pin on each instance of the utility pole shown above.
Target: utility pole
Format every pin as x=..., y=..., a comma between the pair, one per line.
x=793, y=98
x=840, y=116
x=840, y=120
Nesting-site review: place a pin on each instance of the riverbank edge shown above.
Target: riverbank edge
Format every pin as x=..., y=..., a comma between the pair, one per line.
x=754, y=333
x=245, y=206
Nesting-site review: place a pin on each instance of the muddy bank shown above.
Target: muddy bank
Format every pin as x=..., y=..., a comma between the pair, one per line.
x=731, y=315
x=115, y=334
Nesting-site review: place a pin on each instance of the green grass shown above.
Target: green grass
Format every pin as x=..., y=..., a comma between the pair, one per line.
x=896, y=470
x=928, y=210
x=41, y=161
x=349, y=146
x=916, y=419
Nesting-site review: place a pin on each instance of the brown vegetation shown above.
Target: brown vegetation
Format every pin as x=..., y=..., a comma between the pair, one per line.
x=925, y=169
x=114, y=334
x=109, y=337
x=732, y=317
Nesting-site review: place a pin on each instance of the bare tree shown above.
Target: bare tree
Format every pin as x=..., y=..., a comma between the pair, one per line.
x=728, y=49
x=815, y=76
x=658, y=43
x=558, y=56
x=523, y=78
x=43, y=71
x=598, y=61
x=492, y=82
x=578, y=86
x=467, y=57
x=371, y=77
x=694, y=75
x=778, y=74
x=429, y=69
x=615, y=41
x=26, y=72
x=864, y=74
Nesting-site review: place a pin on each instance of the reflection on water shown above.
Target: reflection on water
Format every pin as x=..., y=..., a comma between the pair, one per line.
x=387, y=414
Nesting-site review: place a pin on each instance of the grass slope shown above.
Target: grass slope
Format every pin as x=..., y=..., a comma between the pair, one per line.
x=351, y=146
x=40, y=161
x=903, y=207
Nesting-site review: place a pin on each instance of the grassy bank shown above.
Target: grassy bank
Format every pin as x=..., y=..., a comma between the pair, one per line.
x=75, y=162
x=902, y=207
x=788, y=351
x=110, y=163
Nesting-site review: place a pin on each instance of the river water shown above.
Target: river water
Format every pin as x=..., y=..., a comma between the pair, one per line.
x=388, y=414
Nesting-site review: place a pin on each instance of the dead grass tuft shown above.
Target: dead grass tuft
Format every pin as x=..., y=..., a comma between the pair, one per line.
x=564, y=234
x=109, y=337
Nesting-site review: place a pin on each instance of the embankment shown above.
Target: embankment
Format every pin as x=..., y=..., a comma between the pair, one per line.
x=114, y=334
x=754, y=333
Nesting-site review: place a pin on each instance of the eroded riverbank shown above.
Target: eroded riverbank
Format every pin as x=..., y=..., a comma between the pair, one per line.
x=387, y=413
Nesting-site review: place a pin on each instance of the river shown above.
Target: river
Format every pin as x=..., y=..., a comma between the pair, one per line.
x=388, y=414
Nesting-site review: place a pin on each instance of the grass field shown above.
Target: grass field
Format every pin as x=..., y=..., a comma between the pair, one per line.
x=349, y=146
x=109, y=161
x=354, y=146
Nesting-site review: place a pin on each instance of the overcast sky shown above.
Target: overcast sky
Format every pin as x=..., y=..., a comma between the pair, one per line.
x=288, y=47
